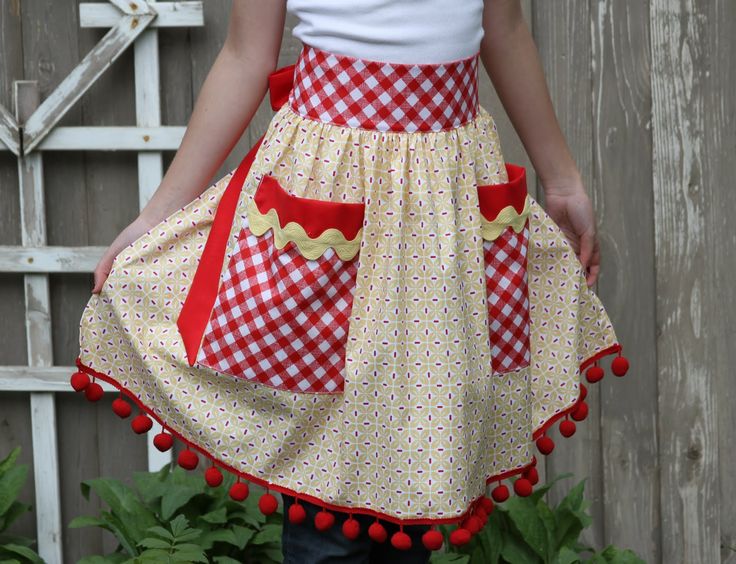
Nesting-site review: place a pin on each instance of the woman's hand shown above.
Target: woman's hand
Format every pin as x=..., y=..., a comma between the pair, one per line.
x=568, y=204
x=137, y=228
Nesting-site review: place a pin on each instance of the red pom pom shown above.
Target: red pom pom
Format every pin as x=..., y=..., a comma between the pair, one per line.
x=93, y=391
x=545, y=444
x=213, y=476
x=522, y=487
x=79, y=381
x=473, y=524
x=239, y=491
x=459, y=537
x=401, y=541
x=323, y=520
x=377, y=532
x=532, y=475
x=581, y=411
x=487, y=504
x=567, y=428
x=432, y=540
x=141, y=423
x=594, y=374
x=121, y=408
x=620, y=366
x=351, y=529
x=268, y=504
x=500, y=493
x=481, y=514
x=583, y=391
x=297, y=514
x=188, y=459
x=163, y=441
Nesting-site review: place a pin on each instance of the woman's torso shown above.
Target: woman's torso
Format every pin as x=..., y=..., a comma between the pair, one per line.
x=397, y=31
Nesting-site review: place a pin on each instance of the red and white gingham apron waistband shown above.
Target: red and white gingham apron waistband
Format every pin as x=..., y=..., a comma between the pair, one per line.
x=381, y=96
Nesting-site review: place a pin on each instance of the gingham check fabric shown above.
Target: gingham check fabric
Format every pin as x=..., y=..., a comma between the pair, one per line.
x=384, y=96
x=508, y=299
x=280, y=319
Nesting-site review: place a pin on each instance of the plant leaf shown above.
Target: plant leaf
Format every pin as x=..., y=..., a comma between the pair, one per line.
x=269, y=533
x=567, y=556
x=23, y=551
x=11, y=482
x=9, y=461
x=174, y=498
x=525, y=518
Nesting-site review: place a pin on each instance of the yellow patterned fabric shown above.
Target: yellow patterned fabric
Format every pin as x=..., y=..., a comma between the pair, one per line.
x=423, y=422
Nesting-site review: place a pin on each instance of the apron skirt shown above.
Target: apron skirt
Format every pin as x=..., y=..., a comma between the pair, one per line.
x=370, y=313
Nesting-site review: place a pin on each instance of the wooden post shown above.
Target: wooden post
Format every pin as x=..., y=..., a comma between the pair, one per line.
x=38, y=335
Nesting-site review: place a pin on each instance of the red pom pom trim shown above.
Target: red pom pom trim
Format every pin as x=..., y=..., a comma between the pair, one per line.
x=213, y=476
x=500, y=493
x=377, y=532
x=79, y=381
x=93, y=391
x=323, y=520
x=297, y=514
x=141, y=423
x=432, y=540
x=545, y=444
x=268, y=504
x=163, y=441
x=400, y=540
x=239, y=491
x=594, y=374
x=620, y=365
x=581, y=411
x=351, y=529
x=460, y=537
x=522, y=487
x=121, y=408
x=567, y=428
x=188, y=459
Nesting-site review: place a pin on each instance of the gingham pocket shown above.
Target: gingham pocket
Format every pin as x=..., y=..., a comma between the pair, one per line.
x=507, y=293
x=281, y=318
x=505, y=212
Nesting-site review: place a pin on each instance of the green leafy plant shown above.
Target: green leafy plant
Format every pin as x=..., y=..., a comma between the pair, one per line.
x=525, y=530
x=174, y=516
x=13, y=548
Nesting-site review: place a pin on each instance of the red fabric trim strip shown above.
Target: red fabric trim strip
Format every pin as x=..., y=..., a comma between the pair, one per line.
x=315, y=216
x=349, y=510
x=492, y=198
x=280, y=83
x=200, y=299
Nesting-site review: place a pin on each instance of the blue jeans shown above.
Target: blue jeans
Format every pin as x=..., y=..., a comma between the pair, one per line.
x=303, y=544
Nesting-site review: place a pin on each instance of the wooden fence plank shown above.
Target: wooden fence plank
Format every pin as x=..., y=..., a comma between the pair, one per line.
x=688, y=431
x=719, y=142
x=562, y=31
x=38, y=337
x=623, y=201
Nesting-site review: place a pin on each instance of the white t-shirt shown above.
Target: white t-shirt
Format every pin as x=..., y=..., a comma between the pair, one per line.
x=394, y=31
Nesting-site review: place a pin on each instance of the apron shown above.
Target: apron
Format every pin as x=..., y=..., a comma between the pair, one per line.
x=370, y=313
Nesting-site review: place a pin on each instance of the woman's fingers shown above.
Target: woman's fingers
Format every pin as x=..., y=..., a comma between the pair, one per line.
x=590, y=256
x=102, y=270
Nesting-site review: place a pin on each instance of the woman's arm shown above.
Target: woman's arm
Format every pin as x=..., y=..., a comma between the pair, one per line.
x=511, y=59
x=230, y=95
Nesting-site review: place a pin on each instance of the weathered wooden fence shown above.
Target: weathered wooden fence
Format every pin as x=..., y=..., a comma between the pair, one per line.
x=643, y=93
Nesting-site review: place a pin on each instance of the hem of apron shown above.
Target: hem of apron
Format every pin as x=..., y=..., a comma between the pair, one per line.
x=472, y=506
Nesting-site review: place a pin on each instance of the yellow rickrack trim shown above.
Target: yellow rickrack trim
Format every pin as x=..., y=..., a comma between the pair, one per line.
x=309, y=248
x=507, y=217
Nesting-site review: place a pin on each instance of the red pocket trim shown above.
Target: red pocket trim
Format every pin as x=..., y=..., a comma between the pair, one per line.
x=315, y=216
x=492, y=198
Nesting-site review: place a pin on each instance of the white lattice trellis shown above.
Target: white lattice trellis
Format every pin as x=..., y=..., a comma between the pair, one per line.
x=28, y=132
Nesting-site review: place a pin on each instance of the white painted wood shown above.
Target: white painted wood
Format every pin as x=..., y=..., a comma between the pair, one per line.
x=81, y=78
x=46, y=477
x=170, y=14
x=49, y=259
x=38, y=337
x=40, y=379
x=9, y=134
x=113, y=138
x=133, y=8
